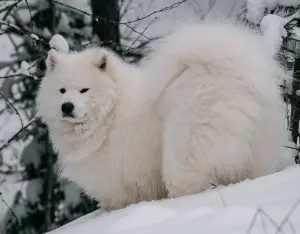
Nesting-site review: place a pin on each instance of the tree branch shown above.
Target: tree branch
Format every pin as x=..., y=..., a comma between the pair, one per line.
x=15, y=109
x=129, y=48
x=127, y=24
x=32, y=121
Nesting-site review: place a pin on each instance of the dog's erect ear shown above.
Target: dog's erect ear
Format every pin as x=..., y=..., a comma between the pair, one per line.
x=52, y=59
x=103, y=63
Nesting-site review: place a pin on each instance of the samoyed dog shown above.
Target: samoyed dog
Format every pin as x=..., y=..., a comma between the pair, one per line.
x=204, y=109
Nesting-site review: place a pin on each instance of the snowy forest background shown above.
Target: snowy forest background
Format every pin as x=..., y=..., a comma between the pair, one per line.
x=32, y=199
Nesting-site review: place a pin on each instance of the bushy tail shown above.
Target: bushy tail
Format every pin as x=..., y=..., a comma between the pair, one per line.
x=214, y=45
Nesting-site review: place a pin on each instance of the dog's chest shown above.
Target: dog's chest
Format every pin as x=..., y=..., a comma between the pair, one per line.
x=94, y=176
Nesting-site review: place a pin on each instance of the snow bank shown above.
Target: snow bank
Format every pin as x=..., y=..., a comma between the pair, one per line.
x=258, y=206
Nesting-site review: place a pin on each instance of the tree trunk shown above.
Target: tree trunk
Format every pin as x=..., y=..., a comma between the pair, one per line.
x=49, y=181
x=49, y=178
x=295, y=102
x=106, y=26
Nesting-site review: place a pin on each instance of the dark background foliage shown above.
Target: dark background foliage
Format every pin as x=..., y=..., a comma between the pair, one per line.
x=49, y=202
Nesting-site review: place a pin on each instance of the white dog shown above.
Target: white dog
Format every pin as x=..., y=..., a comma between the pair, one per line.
x=204, y=109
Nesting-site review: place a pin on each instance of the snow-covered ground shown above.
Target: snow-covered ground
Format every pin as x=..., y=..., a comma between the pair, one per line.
x=265, y=205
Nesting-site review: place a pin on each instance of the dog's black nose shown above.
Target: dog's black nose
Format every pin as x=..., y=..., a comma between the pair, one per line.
x=67, y=108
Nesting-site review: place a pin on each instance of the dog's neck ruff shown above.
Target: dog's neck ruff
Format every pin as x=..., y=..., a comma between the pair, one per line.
x=78, y=136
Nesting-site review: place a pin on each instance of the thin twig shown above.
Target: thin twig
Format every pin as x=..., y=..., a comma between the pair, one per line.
x=11, y=210
x=1, y=229
x=140, y=33
x=23, y=31
x=16, y=75
x=126, y=8
x=129, y=48
x=15, y=109
x=31, y=21
x=10, y=10
x=4, y=64
x=258, y=213
x=167, y=8
x=174, y=5
x=7, y=7
x=220, y=194
x=286, y=218
x=33, y=120
x=97, y=18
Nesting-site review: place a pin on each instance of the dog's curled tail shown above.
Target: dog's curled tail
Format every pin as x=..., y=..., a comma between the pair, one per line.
x=215, y=45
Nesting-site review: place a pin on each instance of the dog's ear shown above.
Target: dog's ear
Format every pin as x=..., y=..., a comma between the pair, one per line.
x=103, y=63
x=52, y=59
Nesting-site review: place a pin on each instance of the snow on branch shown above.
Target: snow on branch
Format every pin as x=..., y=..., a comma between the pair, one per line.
x=256, y=8
x=273, y=27
x=30, y=122
x=6, y=5
x=23, y=71
x=59, y=43
x=15, y=109
x=22, y=31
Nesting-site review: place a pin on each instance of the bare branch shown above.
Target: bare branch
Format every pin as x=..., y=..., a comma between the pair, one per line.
x=11, y=210
x=286, y=218
x=23, y=31
x=167, y=8
x=16, y=75
x=126, y=8
x=32, y=121
x=4, y=64
x=260, y=212
x=9, y=5
x=134, y=30
x=97, y=18
x=129, y=48
x=1, y=230
x=26, y=1
x=15, y=109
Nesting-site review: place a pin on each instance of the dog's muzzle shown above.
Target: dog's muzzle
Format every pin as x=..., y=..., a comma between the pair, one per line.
x=67, y=109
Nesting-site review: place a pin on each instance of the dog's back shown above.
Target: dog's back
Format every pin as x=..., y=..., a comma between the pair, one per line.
x=217, y=90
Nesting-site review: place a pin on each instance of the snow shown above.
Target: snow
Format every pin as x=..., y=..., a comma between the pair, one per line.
x=256, y=8
x=34, y=36
x=6, y=4
x=258, y=206
x=8, y=191
x=296, y=33
x=189, y=12
x=272, y=27
x=148, y=214
x=59, y=43
x=64, y=23
x=24, y=70
x=79, y=4
x=72, y=194
x=34, y=189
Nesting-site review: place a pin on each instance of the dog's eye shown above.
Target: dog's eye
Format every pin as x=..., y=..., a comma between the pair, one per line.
x=62, y=90
x=84, y=90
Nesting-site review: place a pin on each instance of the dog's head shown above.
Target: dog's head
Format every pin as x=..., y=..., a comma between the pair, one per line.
x=77, y=88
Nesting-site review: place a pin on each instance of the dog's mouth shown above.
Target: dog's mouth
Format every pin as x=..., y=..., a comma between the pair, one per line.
x=74, y=119
x=68, y=115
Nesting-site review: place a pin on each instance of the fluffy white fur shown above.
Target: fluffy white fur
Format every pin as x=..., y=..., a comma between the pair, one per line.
x=204, y=109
